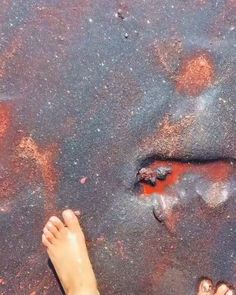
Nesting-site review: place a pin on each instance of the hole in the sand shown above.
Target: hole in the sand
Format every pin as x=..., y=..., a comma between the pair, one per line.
x=156, y=175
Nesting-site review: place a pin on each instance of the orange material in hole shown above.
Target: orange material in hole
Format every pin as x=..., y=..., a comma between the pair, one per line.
x=215, y=171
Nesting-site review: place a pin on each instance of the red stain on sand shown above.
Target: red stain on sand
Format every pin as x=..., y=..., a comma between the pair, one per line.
x=163, y=265
x=215, y=171
x=196, y=74
x=7, y=188
x=4, y=119
x=172, y=219
x=192, y=73
x=44, y=160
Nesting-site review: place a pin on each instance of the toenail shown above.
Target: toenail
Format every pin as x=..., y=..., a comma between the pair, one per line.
x=46, y=231
x=50, y=225
x=53, y=218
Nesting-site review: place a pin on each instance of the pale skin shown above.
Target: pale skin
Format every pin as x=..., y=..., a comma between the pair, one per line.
x=67, y=250
x=66, y=247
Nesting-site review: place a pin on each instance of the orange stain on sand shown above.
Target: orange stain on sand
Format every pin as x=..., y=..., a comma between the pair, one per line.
x=168, y=138
x=195, y=75
x=4, y=119
x=44, y=160
x=214, y=171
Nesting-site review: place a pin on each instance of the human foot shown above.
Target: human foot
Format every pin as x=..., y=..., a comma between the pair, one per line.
x=205, y=287
x=67, y=250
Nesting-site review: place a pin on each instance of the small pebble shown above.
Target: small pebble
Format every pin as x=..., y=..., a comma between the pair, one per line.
x=83, y=180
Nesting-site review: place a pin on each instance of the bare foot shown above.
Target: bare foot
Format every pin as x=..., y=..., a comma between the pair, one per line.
x=67, y=250
x=205, y=287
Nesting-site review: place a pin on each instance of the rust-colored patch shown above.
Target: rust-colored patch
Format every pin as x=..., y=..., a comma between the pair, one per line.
x=172, y=219
x=4, y=119
x=216, y=171
x=178, y=169
x=164, y=264
x=7, y=187
x=168, y=138
x=44, y=160
x=196, y=74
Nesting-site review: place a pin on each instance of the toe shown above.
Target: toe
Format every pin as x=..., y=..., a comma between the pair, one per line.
x=205, y=287
x=221, y=289
x=57, y=222
x=45, y=241
x=52, y=228
x=49, y=236
x=230, y=292
x=70, y=219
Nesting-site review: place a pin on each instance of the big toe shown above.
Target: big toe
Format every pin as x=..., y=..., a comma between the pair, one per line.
x=222, y=289
x=205, y=287
x=70, y=219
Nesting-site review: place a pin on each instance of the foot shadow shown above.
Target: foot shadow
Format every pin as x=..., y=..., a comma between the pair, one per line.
x=56, y=276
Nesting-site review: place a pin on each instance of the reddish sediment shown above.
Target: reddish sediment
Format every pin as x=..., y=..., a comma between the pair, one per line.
x=4, y=119
x=43, y=158
x=191, y=73
x=169, y=137
x=218, y=171
x=196, y=74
